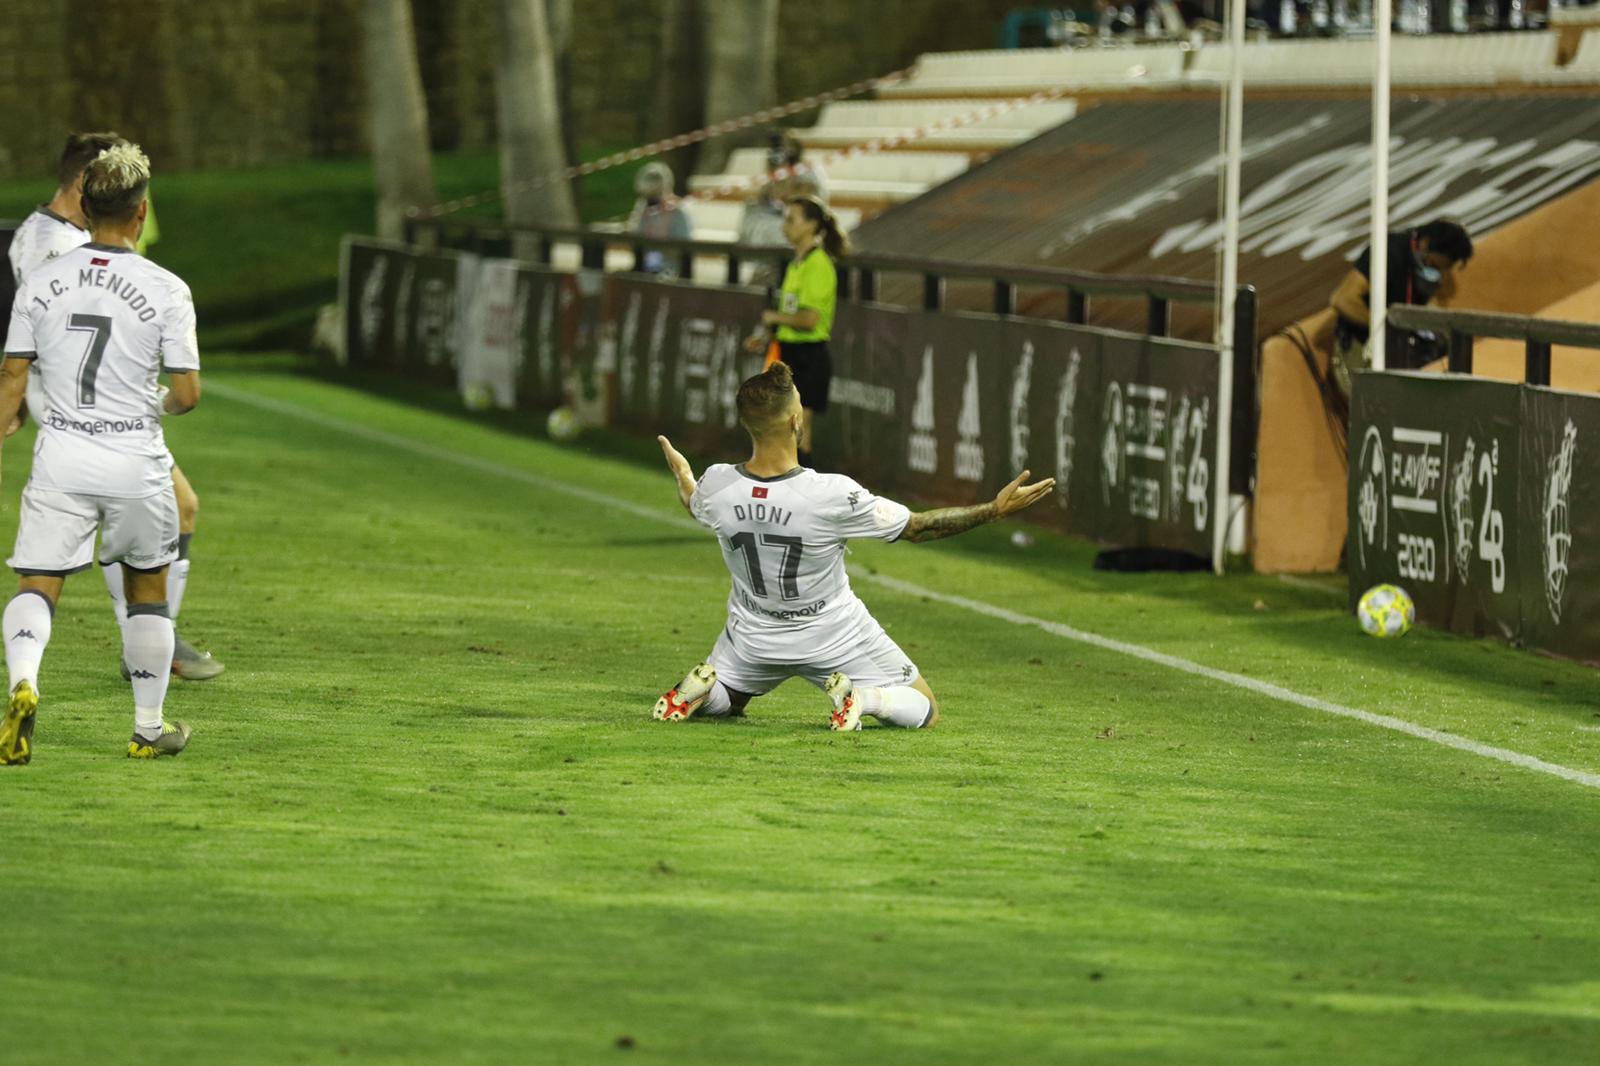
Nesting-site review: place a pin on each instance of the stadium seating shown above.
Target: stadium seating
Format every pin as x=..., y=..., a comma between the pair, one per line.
x=1018, y=72
x=1438, y=61
x=856, y=122
x=718, y=220
x=949, y=85
x=1583, y=70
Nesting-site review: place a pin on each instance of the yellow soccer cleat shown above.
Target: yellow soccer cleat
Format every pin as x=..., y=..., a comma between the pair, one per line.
x=173, y=739
x=16, y=733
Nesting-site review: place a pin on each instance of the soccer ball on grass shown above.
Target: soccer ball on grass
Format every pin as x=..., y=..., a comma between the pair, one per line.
x=563, y=424
x=1386, y=611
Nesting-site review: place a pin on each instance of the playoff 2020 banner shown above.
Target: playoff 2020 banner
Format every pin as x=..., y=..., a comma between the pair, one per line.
x=1474, y=497
x=941, y=408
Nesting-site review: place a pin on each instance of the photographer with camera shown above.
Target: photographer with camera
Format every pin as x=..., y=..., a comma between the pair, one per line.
x=1422, y=266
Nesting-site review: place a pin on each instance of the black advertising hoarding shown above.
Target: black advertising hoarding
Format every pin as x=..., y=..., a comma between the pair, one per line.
x=679, y=357
x=548, y=300
x=401, y=307
x=1155, y=442
x=865, y=426
x=1433, y=479
x=1559, y=516
x=949, y=407
x=1470, y=494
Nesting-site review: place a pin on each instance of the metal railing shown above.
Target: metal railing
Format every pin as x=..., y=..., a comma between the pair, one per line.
x=860, y=277
x=1460, y=329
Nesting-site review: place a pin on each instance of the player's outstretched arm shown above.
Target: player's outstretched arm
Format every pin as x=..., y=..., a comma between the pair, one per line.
x=948, y=521
x=680, y=470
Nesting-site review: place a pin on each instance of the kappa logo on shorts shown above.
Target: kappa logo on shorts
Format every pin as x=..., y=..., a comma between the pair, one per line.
x=854, y=497
x=905, y=672
x=759, y=492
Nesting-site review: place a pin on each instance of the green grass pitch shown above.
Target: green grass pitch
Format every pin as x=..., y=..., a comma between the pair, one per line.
x=426, y=818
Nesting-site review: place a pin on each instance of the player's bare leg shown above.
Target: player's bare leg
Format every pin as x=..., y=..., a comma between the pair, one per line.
x=27, y=631
x=906, y=706
x=147, y=649
x=188, y=662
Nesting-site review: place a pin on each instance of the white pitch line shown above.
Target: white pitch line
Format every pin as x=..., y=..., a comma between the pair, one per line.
x=1057, y=629
x=443, y=455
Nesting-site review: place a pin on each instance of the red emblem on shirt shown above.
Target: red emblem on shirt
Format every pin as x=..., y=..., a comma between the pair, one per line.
x=100, y=262
x=759, y=492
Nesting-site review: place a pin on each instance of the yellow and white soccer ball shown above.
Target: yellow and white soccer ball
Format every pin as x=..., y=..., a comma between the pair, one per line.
x=1386, y=611
x=563, y=424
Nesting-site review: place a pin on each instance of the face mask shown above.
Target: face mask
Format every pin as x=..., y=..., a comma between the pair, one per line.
x=1426, y=274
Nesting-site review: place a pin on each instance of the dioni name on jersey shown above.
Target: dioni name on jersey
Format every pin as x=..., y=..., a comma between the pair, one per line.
x=762, y=512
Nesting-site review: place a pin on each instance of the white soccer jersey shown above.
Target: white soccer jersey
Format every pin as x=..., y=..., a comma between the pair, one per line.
x=783, y=539
x=43, y=236
x=100, y=323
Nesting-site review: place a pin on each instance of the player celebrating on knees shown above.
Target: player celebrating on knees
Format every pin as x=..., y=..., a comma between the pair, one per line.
x=101, y=323
x=791, y=612
x=48, y=232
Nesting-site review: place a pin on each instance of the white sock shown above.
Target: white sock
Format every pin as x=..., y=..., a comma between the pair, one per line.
x=718, y=703
x=177, y=581
x=27, y=629
x=899, y=705
x=114, y=585
x=147, y=649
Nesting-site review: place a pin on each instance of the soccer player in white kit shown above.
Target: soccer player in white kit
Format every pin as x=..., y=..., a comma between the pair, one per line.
x=49, y=231
x=101, y=322
x=791, y=612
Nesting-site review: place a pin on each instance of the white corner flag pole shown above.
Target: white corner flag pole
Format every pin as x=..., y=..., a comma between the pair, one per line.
x=1233, y=112
x=1378, y=255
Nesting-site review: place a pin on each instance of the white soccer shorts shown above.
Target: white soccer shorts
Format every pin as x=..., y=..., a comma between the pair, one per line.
x=757, y=663
x=55, y=531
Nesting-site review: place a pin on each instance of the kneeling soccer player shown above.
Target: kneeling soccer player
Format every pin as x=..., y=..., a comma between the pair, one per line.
x=791, y=612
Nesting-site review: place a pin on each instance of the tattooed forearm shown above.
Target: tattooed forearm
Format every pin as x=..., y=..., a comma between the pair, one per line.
x=947, y=522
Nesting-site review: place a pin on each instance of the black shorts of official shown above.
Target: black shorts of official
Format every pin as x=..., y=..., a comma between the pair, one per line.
x=812, y=367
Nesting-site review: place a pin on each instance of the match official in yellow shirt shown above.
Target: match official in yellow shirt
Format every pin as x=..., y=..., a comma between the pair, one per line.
x=803, y=320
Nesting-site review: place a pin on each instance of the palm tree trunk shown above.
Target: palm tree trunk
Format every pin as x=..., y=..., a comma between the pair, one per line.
x=742, y=51
x=398, y=114
x=529, y=118
x=680, y=102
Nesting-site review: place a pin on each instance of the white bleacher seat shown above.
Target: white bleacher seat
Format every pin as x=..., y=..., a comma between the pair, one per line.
x=1018, y=72
x=874, y=178
x=857, y=122
x=718, y=220
x=1584, y=69
x=1432, y=61
x=1288, y=63
x=1473, y=59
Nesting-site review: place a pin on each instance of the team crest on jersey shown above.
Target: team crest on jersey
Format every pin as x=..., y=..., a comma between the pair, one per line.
x=758, y=492
x=92, y=261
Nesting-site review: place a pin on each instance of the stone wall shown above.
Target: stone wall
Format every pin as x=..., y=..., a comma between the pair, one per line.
x=234, y=83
